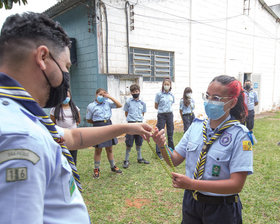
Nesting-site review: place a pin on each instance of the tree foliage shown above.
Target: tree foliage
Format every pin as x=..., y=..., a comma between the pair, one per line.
x=9, y=3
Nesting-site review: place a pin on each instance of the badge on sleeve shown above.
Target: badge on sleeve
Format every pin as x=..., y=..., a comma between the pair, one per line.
x=16, y=174
x=247, y=146
x=216, y=170
x=72, y=185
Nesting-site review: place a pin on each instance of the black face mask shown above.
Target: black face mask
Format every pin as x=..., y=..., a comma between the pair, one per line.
x=135, y=96
x=57, y=94
x=247, y=86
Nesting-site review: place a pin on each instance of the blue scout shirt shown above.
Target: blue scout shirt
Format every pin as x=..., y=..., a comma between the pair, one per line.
x=230, y=153
x=251, y=99
x=100, y=111
x=186, y=109
x=164, y=101
x=135, y=109
x=36, y=182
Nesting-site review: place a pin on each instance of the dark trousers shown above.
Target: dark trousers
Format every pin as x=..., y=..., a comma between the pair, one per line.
x=195, y=212
x=187, y=120
x=162, y=119
x=250, y=119
x=74, y=155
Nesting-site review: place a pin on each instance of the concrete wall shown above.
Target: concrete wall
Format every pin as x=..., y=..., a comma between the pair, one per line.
x=85, y=78
x=219, y=40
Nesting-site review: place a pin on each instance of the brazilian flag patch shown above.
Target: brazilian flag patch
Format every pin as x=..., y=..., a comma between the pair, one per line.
x=247, y=146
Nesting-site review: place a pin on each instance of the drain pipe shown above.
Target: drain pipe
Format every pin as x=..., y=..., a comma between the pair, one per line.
x=127, y=4
x=106, y=42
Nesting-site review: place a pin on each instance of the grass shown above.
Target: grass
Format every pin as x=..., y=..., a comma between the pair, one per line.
x=144, y=193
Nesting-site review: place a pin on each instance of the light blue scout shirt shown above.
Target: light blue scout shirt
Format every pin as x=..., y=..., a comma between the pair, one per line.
x=100, y=111
x=36, y=182
x=164, y=101
x=251, y=99
x=230, y=153
x=135, y=109
x=186, y=109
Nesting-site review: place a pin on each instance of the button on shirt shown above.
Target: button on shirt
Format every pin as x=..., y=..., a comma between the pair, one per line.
x=164, y=101
x=135, y=109
x=251, y=99
x=100, y=111
x=35, y=177
x=226, y=152
x=186, y=109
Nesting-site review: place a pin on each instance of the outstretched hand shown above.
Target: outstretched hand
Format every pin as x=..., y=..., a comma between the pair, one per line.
x=159, y=137
x=142, y=129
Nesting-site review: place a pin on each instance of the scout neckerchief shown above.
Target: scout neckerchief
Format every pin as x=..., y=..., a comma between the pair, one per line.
x=12, y=89
x=199, y=170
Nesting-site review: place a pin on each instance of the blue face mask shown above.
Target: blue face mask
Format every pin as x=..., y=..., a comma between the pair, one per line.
x=66, y=101
x=214, y=109
x=100, y=99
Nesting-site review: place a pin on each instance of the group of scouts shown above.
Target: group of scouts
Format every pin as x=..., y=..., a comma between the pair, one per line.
x=99, y=113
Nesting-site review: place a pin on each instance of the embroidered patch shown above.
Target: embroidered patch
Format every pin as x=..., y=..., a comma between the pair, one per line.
x=216, y=170
x=24, y=154
x=16, y=174
x=225, y=139
x=247, y=145
x=72, y=185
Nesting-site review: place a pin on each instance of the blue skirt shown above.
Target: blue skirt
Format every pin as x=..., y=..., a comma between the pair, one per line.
x=108, y=143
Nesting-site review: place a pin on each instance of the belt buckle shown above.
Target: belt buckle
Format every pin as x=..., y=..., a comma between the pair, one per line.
x=236, y=199
x=105, y=121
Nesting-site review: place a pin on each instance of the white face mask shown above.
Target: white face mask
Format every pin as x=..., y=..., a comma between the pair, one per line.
x=189, y=95
x=166, y=87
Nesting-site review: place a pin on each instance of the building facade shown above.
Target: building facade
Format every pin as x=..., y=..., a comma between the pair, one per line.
x=142, y=41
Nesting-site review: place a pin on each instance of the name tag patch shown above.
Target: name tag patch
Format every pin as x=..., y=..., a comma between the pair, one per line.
x=247, y=145
x=216, y=170
x=24, y=154
x=16, y=174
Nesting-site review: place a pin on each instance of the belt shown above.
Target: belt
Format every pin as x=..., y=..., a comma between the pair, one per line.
x=215, y=199
x=188, y=114
x=104, y=121
x=134, y=121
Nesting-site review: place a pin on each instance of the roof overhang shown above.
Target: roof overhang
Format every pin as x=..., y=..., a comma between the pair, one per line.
x=61, y=7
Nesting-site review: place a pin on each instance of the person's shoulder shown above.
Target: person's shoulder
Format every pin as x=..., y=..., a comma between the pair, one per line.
x=141, y=101
x=198, y=121
x=11, y=112
x=242, y=127
x=128, y=100
x=17, y=121
x=92, y=104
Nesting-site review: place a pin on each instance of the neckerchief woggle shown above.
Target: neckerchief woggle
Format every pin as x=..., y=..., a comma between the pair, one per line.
x=10, y=88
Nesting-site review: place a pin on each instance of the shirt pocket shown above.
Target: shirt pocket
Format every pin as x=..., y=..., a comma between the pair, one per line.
x=140, y=109
x=66, y=175
x=218, y=160
x=191, y=155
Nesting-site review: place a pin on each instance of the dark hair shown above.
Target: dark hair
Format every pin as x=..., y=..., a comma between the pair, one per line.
x=235, y=90
x=99, y=90
x=31, y=28
x=186, y=99
x=59, y=110
x=168, y=80
x=134, y=87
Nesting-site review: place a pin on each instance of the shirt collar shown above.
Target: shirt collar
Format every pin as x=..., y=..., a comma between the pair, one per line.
x=219, y=126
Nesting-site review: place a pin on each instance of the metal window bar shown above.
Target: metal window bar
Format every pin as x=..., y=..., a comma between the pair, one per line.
x=152, y=65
